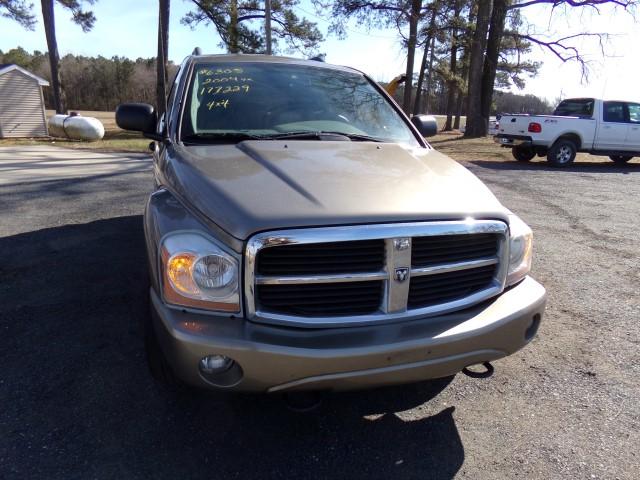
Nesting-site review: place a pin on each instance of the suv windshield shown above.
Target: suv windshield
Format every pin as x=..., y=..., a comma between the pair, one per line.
x=575, y=107
x=238, y=101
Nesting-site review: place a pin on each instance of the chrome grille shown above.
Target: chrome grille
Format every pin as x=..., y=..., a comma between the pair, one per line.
x=341, y=276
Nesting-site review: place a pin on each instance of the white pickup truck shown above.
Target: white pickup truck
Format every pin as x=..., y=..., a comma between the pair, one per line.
x=610, y=128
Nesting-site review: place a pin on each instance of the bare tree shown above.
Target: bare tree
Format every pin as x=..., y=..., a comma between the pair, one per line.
x=414, y=18
x=427, y=104
x=453, y=83
x=428, y=46
x=490, y=68
x=474, y=111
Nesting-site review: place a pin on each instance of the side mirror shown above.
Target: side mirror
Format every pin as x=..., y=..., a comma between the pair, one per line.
x=139, y=117
x=426, y=125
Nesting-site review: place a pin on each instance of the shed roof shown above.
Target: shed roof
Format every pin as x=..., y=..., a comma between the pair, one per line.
x=8, y=67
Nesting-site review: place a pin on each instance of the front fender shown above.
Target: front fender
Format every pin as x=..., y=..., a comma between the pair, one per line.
x=164, y=214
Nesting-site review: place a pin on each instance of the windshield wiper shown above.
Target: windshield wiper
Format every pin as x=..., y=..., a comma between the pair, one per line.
x=319, y=134
x=233, y=137
x=212, y=137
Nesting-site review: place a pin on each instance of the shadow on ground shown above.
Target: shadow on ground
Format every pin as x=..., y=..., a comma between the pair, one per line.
x=77, y=401
x=583, y=167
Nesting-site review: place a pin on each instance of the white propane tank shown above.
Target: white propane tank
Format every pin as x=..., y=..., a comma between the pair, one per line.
x=76, y=127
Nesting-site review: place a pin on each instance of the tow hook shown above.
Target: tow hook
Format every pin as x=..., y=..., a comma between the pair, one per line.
x=488, y=370
x=303, y=402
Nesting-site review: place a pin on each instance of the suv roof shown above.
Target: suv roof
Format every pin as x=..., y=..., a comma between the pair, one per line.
x=245, y=58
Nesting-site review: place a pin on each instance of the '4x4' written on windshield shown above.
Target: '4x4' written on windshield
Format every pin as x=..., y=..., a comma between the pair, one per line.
x=271, y=98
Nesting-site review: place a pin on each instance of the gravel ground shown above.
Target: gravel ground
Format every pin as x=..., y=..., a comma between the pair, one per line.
x=77, y=401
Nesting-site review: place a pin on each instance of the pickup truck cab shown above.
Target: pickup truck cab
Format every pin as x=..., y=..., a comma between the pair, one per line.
x=609, y=128
x=304, y=236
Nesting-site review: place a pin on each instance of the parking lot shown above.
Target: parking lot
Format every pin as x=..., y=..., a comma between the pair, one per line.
x=77, y=401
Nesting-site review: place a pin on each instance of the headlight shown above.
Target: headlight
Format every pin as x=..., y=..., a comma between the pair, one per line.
x=520, y=250
x=198, y=273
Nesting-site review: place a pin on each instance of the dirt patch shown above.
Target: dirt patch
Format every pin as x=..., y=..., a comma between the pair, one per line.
x=457, y=147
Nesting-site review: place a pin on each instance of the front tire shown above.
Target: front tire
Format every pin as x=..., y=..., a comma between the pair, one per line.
x=620, y=159
x=562, y=153
x=523, y=154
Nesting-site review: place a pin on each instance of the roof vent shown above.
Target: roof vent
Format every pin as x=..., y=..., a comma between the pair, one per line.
x=197, y=51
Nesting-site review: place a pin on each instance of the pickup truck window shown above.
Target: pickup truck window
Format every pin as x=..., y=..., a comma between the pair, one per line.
x=634, y=112
x=575, y=107
x=613, y=112
x=230, y=102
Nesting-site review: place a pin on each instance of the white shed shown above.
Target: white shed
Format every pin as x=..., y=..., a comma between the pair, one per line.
x=21, y=103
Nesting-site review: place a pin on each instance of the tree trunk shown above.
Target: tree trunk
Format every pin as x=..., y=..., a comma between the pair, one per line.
x=427, y=104
x=496, y=31
x=414, y=17
x=48, y=19
x=452, y=84
x=451, y=98
x=267, y=25
x=233, y=27
x=456, y=122
x=475, y=122
x=162, y=60
x=464, y=73
x=423, y=64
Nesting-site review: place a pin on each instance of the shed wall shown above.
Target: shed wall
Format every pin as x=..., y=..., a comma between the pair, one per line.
x=21, y=106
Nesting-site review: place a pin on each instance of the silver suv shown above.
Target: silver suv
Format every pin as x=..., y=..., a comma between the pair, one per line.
x=304, y=236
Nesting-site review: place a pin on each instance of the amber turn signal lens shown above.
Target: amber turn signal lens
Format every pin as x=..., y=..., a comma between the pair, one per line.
x=179, y=273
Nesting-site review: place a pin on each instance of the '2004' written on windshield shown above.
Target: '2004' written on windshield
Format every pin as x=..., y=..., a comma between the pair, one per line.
x=222, y=81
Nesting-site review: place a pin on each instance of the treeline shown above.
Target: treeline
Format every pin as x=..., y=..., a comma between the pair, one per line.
x=437, y=103
x=507, y=102
x=93, y=83
x=98, y=83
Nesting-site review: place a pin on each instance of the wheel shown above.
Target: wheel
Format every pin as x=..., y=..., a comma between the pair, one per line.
x=523, y=154
x=620, y=159
x=562, y=153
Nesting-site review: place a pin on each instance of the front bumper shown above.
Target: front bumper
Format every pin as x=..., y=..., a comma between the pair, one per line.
x=274, y=358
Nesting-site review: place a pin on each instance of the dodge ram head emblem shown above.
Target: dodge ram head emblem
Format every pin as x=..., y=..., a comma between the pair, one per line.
x=402, y=274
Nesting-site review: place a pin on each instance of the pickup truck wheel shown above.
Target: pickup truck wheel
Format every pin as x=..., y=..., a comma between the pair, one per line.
x=562, y=153
x=620, y=158
x=523, y=154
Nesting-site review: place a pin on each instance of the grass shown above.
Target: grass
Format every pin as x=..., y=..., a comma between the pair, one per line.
x=459, y=148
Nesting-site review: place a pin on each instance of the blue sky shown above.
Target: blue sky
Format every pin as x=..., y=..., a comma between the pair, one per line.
x=128, y=28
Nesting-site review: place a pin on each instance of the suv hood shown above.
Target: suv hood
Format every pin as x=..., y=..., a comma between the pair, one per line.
x=260, y=185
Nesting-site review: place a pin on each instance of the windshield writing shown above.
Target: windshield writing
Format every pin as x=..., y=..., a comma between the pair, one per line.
x=270, y=99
